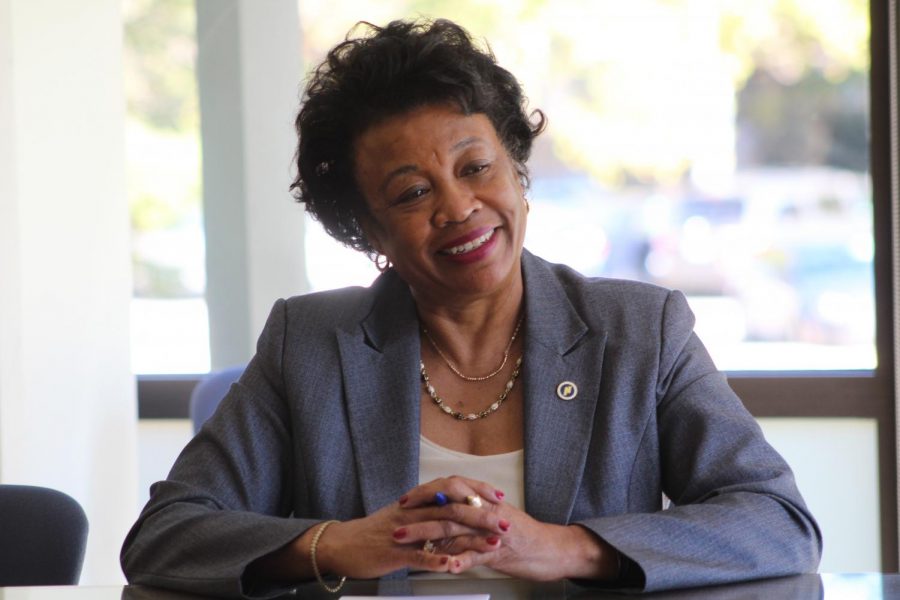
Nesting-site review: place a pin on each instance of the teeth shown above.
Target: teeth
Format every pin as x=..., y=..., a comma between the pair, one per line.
x=469, y=246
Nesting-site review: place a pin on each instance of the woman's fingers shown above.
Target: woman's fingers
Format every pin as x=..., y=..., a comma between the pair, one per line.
x=462, y=562
x=430, y=530
x=436, y=522
x=437, y=555
x=487, y=526
x=453, y=489
x=470, y=543
x=428, y=561
x=465, y=551
x=449, y=518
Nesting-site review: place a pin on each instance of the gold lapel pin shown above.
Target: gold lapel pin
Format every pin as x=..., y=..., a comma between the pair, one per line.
x=567, y=390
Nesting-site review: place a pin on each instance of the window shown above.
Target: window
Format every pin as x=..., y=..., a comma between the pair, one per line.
x=170, y=331
x=718, y=148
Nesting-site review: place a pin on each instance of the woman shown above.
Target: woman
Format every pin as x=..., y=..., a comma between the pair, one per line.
x=477, y=409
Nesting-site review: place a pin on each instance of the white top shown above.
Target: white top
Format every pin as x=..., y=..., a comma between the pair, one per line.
x=506, y=472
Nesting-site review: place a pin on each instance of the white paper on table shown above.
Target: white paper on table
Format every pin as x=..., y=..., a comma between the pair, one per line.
x=442, y=597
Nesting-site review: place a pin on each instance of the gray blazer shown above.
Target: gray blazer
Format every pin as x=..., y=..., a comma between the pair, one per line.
x=324, y=424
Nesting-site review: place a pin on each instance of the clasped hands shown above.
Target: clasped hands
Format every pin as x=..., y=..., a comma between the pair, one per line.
x=462, y=536
x=458, y=523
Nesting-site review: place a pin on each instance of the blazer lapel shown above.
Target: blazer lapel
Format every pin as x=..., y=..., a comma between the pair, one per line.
x=559, y=349
x=379, y=361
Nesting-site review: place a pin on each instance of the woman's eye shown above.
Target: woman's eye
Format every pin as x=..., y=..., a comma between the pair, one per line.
x=411, y=194
x=475, y=169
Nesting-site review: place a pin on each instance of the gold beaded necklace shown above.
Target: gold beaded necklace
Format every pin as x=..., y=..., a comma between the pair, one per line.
x=471, y=416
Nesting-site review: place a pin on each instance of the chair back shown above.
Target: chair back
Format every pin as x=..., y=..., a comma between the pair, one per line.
x=43, y=536
x=209, y=392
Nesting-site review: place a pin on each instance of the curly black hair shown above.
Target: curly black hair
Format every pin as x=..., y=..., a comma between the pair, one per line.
x=390, y=71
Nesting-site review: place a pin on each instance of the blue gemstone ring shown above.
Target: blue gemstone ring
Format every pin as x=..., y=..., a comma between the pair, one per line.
x=440, y=498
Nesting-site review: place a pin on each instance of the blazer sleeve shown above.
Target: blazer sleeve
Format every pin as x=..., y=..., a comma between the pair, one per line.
x=736, y=513
x=227, y=499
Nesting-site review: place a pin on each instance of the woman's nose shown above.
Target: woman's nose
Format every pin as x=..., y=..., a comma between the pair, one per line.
x=456, y=203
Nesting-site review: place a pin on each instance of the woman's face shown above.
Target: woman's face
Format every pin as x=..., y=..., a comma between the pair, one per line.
x=447, y=207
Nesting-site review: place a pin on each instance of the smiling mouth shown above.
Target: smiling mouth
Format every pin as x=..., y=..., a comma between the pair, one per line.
x=471, y=245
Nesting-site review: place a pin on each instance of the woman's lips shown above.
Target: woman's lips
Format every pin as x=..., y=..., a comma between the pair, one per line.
x=470, y=245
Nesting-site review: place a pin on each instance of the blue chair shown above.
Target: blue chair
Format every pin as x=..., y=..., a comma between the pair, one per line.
x=43, y=536
x=209, y=392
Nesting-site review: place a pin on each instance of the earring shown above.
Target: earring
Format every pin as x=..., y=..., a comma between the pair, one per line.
x=527, y=206
x=382, y=262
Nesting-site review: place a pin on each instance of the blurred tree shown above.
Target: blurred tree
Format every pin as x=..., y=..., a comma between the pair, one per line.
x=160, y=52
x=162, y=145
x=636, y=88
x=802, y=90
x=811, y=121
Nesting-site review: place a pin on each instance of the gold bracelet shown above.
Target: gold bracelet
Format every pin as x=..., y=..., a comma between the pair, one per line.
x=315, y=566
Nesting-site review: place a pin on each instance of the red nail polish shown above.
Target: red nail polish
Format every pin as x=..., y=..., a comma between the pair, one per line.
x=444, y=560
x=504, y=525
x=457, y=564
x=492, y=540
x=499, y=495
x=400, y=533
x=403, y=500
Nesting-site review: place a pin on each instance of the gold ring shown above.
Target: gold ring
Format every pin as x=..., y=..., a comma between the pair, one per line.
x=474, y=500
x=429, y=547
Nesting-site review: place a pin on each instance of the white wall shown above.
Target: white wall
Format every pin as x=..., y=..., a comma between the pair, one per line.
x=67, y=397
x=160, y=441
x=835, y=462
